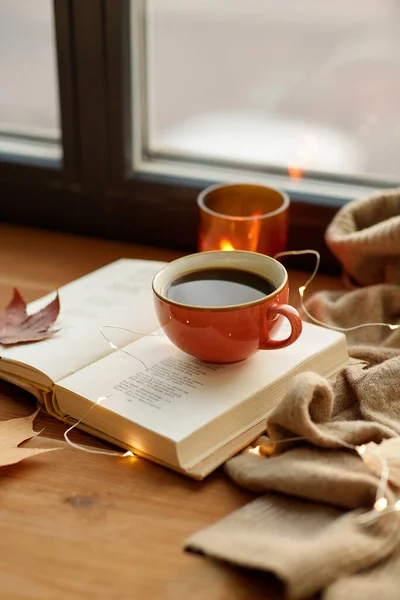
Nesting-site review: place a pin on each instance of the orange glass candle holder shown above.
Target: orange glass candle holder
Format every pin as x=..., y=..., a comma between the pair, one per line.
x=243, y=217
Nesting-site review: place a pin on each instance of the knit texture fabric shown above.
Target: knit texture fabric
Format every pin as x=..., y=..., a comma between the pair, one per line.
x=305, y=525
x=365, y=237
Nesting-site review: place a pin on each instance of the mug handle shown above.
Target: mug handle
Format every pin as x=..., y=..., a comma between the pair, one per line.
x=294, y=319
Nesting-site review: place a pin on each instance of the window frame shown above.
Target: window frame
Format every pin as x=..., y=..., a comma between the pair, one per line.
x=69, y=197
x=96, y=192
x=39, y=170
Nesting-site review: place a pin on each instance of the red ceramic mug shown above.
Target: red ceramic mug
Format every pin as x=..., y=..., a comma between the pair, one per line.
x=226, y=334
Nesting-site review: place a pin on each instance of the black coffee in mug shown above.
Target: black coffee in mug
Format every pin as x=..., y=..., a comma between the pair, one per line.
x=218, y=286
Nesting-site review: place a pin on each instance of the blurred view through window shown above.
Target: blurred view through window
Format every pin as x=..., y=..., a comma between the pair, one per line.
x=29, y=106
x=297, y=85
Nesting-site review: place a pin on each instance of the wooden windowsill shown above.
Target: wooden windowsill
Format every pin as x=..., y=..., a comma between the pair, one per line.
x=89, y=526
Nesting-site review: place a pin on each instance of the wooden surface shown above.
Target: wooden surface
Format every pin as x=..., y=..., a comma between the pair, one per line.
x=75, y=525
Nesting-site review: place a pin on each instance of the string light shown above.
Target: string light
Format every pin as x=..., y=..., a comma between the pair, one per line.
x=152, y=334
x=380, y=506
x=304, y=287
x=114, y=347
x=101, y=399
x=266, y=449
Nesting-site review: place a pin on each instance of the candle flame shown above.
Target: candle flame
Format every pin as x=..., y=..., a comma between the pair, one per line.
x=251, y=243
x=225, y=245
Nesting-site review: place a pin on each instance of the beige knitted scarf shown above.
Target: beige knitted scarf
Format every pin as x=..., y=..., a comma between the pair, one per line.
x=304, y=526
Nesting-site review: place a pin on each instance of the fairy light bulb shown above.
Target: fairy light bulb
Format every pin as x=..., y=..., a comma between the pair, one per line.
x=128, y=453
x=302, y=289
x=381, y=504
x=100, y=399
x=361, y=449
x=255, y=450
x=397, y=506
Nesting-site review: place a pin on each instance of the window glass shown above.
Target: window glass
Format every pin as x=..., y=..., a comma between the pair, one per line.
x=305, y=85
x=29, y=106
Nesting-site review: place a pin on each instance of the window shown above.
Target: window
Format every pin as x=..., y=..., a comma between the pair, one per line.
x=139, y=104
x=301, y=89
x=29, y=106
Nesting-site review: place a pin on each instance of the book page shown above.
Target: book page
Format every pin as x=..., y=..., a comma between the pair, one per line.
x=118, y=294
x=174, y=394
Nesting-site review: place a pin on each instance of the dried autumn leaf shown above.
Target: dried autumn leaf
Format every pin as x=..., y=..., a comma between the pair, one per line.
x=16, y=326
x=389, y=450
x=12, y=433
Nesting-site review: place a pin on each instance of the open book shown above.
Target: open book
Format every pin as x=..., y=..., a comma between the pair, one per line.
x=156, y=401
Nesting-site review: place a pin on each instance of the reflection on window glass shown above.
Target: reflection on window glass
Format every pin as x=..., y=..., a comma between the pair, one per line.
x=297, y=85
x=29, y=108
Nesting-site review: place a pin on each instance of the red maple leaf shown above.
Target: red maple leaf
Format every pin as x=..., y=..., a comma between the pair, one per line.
x=16, y=326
